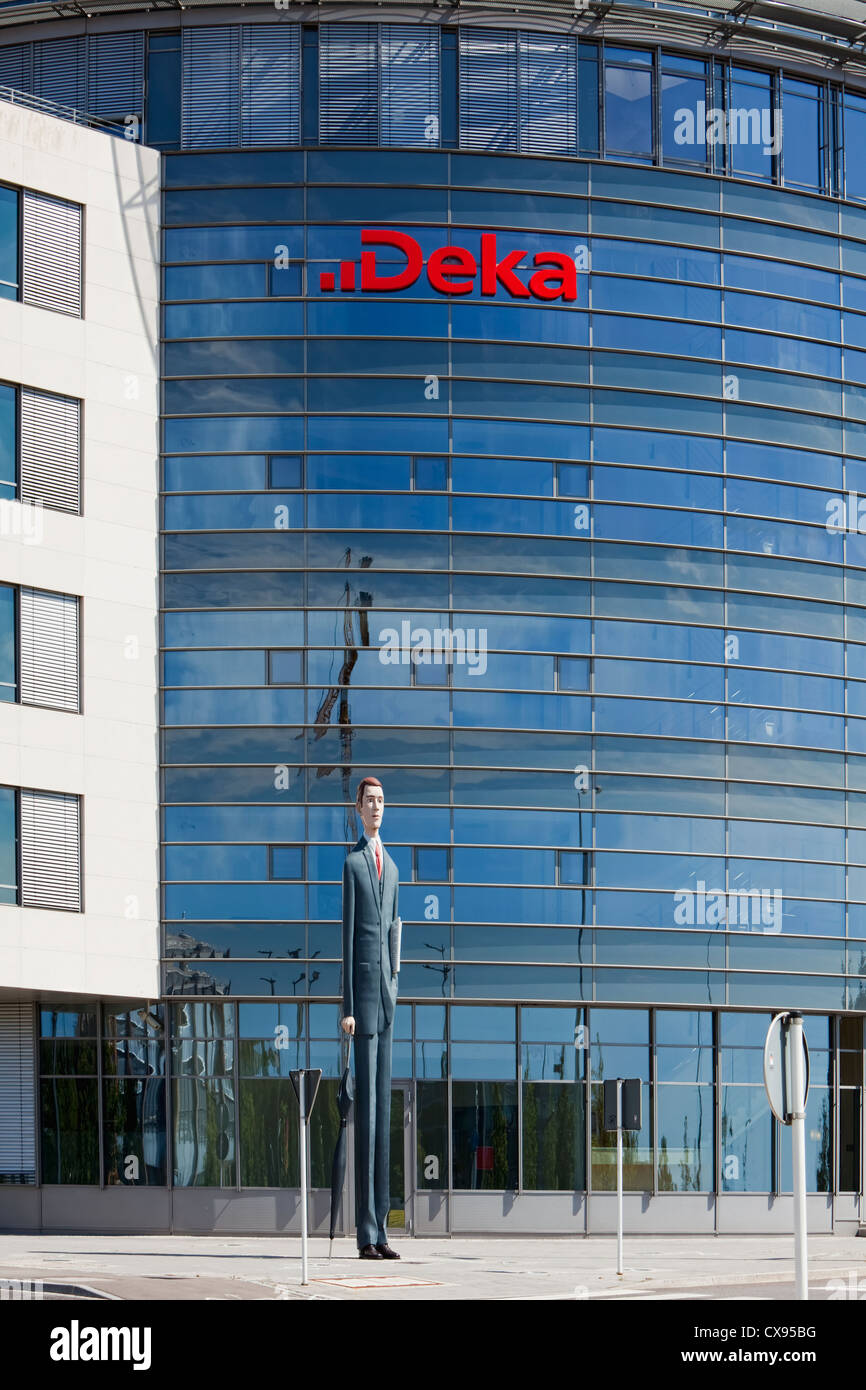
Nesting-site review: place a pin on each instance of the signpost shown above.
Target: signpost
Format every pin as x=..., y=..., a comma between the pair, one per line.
x=622, y=1110
x=306, y=1084
x=786, y=1080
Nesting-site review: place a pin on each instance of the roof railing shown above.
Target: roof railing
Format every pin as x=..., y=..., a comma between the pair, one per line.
x=65, y=113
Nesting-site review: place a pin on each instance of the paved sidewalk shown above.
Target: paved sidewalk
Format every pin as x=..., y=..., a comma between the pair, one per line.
x=262, y=1268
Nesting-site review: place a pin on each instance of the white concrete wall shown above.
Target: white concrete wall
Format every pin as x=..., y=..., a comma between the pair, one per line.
x=108, y=753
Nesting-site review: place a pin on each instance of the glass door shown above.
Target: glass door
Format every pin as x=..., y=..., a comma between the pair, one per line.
x=400, y=1215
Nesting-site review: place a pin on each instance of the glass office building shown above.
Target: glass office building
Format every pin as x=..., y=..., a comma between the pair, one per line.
x=514, y=432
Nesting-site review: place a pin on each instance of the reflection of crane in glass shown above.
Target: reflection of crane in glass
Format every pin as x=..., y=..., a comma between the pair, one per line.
x=269, y=980
x=444, y=969
x=340, y=690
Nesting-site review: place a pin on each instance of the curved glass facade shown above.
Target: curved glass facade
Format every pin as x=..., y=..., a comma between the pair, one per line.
x=529, y=477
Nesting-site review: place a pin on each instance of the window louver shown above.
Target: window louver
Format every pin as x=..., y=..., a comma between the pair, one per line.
x=270, y=84
x=17, y=1094
x=48, y=637
x=548, y=94
x=16, y=67
x=410, y=85
x=115, y=75
x=50, y=851
x=488, y=90
x=210, y=96
x=52, y=253
x=59, y=71
x=348, y=84
x=50, y=450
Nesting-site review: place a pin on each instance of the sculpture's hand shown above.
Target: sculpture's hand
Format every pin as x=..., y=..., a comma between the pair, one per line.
x=348, y=1024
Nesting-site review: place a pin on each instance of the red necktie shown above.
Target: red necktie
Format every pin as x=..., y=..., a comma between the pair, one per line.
x=378, y=861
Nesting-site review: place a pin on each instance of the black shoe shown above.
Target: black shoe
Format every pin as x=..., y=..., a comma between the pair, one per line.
x=370, y=1252
x=386, y=1253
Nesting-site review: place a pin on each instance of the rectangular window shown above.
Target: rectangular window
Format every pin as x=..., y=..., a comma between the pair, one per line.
x=9, y=243
x=8, y=659
x=310, y=83
x=163, y=92
x=8, y=845
x=628, y=103
x=270, y=84
x=285, y=471
x=548, y=94
x=488, y=90
x=286, y=861
x=50, y=850
x=348, y=84
x=60, y=71
x=409, y=84
x=50, y=470
x=684, y=111
x=855, y=141
x=210, y=102
x=803, y=140
x=49, y=649
x=431, y=864
x=588, y=97
x=52, y=245
x=751, y=124
x=115, y=75
x=285, y=667
x=449, y=89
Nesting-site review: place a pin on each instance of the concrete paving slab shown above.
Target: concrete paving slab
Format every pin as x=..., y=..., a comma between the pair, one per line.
x=475, y=1268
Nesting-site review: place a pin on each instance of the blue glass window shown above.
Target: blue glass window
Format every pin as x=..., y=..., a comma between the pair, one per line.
x=8, y=846
x=286, y=861
x=753, y=127
x=855, y=139
x=803, y=126
x=8, y=243
x=163, y=87
x=628, y=84
x=8, y=441
x=285, y=667
x=684, y=114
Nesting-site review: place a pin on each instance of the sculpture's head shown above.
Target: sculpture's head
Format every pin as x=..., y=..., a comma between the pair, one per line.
x=370, y=804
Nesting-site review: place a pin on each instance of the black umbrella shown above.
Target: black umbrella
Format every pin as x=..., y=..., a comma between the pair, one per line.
x=345, y=1096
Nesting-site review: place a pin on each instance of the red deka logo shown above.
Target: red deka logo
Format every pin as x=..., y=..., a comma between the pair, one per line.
x=454, y=270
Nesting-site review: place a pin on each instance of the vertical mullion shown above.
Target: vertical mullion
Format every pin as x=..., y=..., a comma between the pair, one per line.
x=100, y=1109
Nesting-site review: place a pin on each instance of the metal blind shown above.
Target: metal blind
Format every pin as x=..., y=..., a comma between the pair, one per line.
x=17, y=1094
x=409, y=84
x=59, y=71
x=16, y=66
x=48, y=639
x=50, y=851
x=115, y=75
x=488, y=89
x=548, y=93
x=51, y=450
x=270, y=84
x=51, y=276
x=210, y=89
x=349, y=84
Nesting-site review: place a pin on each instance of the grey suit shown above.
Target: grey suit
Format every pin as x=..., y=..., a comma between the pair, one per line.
x=370, y=996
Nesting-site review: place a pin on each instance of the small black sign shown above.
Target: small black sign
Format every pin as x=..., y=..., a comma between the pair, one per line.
x=631, y=1104
x=312, y=1077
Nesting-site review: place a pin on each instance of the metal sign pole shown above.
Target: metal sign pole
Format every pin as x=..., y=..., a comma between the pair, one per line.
x=619, y=1175
x=303, y=1146
x=798, y=1152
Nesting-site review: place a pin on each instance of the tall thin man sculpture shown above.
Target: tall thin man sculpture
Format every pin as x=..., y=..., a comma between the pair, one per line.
x=370, y=963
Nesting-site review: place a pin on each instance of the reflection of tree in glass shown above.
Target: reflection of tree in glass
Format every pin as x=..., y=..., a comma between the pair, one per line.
x=824, y=1173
